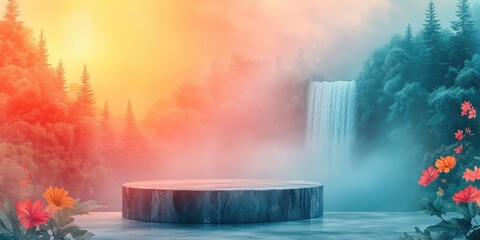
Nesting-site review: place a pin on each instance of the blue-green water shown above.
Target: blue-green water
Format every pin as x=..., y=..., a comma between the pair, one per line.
x=333, y=225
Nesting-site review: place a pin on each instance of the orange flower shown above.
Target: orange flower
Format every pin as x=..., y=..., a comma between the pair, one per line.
x=470, y=175
x=458, y=149
x=459, y=135
x=428, y=176
x=445, y=164
x=58, y=198
x=469, y=194
x=31, y=215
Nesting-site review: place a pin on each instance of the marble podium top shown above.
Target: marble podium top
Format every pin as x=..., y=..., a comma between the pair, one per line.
x=221, y=184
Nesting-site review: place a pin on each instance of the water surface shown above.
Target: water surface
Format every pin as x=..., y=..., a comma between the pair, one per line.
x=333, y=225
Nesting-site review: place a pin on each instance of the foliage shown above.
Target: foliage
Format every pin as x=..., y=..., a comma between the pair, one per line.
x=409, y=91
x=60, y=224
x=436, y=208
x=57, y=127
x=412, y=84
x=467, y=200
x=30, y=220
x=45, y=124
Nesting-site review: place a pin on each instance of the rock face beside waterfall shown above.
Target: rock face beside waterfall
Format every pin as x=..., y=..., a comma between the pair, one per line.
x=221, y=201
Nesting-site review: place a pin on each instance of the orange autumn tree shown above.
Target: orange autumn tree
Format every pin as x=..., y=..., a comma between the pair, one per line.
x=41, y=124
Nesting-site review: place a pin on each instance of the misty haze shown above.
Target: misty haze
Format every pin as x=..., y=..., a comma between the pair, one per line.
x=354, y=111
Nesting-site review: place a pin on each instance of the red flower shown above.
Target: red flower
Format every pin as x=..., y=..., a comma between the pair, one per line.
x=472, y=113
x=468, y=130
x=459, y=135
x=458, y=149
x=470, y=175
x=469, y=194
x=428, y=176
x=466, y=107
x=31, y=215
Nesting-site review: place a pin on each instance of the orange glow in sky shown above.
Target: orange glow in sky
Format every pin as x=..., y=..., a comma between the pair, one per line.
x=143, y=49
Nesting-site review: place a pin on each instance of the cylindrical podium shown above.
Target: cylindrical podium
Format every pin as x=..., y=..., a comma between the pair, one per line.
x=221, y=201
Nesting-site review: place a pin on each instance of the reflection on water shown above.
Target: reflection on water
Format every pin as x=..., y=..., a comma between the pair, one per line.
x=333, y=225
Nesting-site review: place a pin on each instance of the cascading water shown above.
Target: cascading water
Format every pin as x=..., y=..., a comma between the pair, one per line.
x=330, y=123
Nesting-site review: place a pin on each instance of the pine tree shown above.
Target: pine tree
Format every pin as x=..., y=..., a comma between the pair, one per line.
x=431, y=30
x=14, y=45
x=105, y=117
x=408, y=38
x=85, y=102
x=108, y=149
x=129, y=136
x=11, y=11
x=134, y=146
x=60, y=81
x=434, y=54
x=131, y=130
x=464, y=43
x=42, y=50
x=131, y=133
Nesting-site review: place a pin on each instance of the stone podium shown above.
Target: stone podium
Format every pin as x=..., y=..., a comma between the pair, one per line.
x=221, y=201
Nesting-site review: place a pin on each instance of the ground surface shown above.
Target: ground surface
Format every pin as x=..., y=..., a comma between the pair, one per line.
x=333, y=225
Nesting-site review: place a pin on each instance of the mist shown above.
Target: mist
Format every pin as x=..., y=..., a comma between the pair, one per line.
x=180, y=40
x=222, y=91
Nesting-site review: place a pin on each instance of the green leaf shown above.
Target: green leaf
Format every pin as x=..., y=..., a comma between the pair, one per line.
x=4, y=236
x=468, y=210
x=86, y=207
x=80, y=234
x=406, y=237
x=435, y=208
x=30, y=234
x=64, y=218
x=455, y=227
x=5, y=224
x=12, y=216
x=425, y=234
x=473, y=234
x=52, y=224
x=43, y=233
x=68, y=230
x=464, y=224
x=476, y=158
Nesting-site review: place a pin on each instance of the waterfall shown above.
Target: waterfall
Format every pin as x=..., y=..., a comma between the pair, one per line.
x=330, y=123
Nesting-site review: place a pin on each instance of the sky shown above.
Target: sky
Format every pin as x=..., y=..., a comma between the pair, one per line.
x=143, y=49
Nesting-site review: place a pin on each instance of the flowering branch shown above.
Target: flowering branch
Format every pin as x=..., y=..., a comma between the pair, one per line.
x=467, y=199
x=55, y=221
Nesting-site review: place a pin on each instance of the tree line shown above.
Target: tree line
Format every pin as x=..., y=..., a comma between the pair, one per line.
x=66, y=140
x=410, y=90
x=52, y=131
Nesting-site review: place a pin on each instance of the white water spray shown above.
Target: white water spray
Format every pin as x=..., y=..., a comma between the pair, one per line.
x=330, y=124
